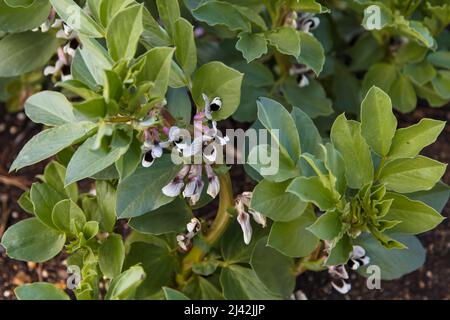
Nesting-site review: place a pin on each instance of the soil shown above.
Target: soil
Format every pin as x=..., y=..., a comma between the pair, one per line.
x=429, y=282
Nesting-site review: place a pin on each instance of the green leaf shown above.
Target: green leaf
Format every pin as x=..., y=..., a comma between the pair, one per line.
x=129, y=162
x=403, y=95
x=92, y=109
x=312, y=189
x=76, y=18
x=275, y=118
x=19, y=19
x=136, y=196
x=308, y=133
x=30, y=240
x=40, y=291
x=408, y=142
x=113, y=89
x=252, y=45
x=172, y=294
x=420, y=73
x=54, y=175
x=86, y=162
x=172, y=217
x=411, y=175
x=274, y=270
x=25, y=202
x=327, y=226
x=286, y=40
x=179, y=105
x=91, y=63
x=201, y=289
x=311, y=99
x=44, y=199
x=109, y=8
x=51, y=141
x=221, y=13
x=111, y=255
x=49, y=108
x=378, y=123
x=241, y=283
x=124, y=286
x=381, y=75
x=68, y=217
x=158, y=263
x=156, y=69
x=346, y=137
x=340, y=252
x=393, y=263
x=90, y=230
x=106, y=200
x=186, y=51
x=292, y=238
x=415, y=216
x=312, y=53
x=429, y=93
x=217, y=80
x=441, y=83
x=436, y=198
x=272, y=200
x=440, y=59
x=124, y=31
x=24, y=52
x=169, y=12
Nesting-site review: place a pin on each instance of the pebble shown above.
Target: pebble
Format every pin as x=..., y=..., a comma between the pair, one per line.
x=44, y=273
x=13, y=130
x=21, y=116
x=2, y=127
x=7, y=293
x=15, y=215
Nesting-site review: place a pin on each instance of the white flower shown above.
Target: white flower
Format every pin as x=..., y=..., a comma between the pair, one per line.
x=195, y=184
x=307, y=22
x=358, y=258
x=153, y=150
x=194, y=226
x=173, y=189
x=343, y=288
x=259, y=218
x=298, y=295
x=210, y=107
x=213, y=182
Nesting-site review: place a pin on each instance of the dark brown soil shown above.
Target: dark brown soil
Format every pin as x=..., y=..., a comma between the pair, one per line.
x=430, y=282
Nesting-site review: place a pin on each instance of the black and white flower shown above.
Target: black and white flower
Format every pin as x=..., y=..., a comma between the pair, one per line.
x=244, y=212
x=307, y=22
x=173, y=189
x=213, y=182
x=184, y=240
x=211, y=106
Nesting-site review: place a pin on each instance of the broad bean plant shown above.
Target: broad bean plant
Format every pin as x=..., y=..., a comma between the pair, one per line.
x=138, y=195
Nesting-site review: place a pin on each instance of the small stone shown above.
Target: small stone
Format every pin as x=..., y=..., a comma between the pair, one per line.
x=7, y=293
x=13, y=130
x=15, y=215
x=21, y=278
x=21, y=116
x=31, y=265
x=44, y=273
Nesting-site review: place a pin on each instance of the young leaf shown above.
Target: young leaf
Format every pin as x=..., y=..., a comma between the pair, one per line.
x=411, y=175
x=378, y=123
x=340, y=252
x=54, y=175
x=124, y=32
x=106, y=200
x=156, y=68
x=346, y=137
x=186, y=51
x=40, y=291
x=51, y=141
x=169, y=11
x=221, y=13
x=312, y=189
x=76, y=18
x=109, y=8
x=30, y=240
x=408, y=142
x=111, y=255
x=415, y=216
